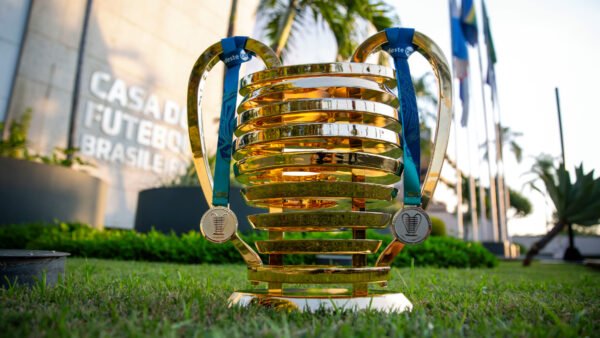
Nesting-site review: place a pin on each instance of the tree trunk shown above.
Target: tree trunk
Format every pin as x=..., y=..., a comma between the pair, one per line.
x=539, y=245
x=572, y=254
x=230, y=31
x=232, y=19
x=286, y=28
x=571, y=237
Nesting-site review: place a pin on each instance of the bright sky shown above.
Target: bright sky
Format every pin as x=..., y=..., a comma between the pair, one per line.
x=540, y=44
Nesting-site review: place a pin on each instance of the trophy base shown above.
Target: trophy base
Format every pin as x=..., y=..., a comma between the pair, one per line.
x=312, y=300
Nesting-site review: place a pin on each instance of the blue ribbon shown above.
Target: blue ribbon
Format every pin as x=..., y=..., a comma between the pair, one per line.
x=400, y=47
x=233, y=56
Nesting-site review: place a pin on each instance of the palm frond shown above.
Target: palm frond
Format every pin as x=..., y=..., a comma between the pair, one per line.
x=577, y=201
x=342, y=17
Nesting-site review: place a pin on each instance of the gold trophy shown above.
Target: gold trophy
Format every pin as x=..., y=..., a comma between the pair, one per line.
x=321, y=146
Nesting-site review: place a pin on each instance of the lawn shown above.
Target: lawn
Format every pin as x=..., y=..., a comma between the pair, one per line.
x=119, y=298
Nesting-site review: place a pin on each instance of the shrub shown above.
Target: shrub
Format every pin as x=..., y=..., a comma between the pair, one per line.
x=438, y=227
x=16, y=146
x=84, y=241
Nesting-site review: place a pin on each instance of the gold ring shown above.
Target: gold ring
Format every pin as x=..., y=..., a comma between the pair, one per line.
x=319, y=135
x=319, y=111
x=353, y=160
x=312, y=174
x=319, y=166
x=319, y=220
x=350, y=69
x=319, y=189
x=315, y=274
x=301, y=89
x=319, y=246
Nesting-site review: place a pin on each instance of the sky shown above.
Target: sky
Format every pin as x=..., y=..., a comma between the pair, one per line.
x=540, y=45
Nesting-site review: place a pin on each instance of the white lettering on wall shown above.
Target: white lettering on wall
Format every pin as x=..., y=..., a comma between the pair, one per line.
x=127, y=125
x=152, y=107
x=118, y=93
x=95, y=84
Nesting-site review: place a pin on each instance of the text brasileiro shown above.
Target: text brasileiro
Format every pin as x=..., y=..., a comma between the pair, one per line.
x=135, y=130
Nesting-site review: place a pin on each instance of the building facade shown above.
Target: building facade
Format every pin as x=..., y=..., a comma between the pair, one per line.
x=130, y=114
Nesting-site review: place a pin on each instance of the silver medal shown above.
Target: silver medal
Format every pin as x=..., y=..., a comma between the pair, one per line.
x=411, y=225
x=218, y=224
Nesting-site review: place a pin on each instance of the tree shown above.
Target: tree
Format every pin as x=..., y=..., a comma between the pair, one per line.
x=286, y=18
x=520, y=204
x=576, y=202
x=507, y=137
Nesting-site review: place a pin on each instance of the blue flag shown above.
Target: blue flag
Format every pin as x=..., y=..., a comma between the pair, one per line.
x=490, y=78
x=468, y=21
x=460, y=58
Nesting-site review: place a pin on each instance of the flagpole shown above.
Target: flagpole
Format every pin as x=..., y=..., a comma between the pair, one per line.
x=473, y=196
x=501, y=183
x=494, y=210
x=459, y=213
x=505, y=187
x=460, y=51
x=481, y=200
x=502, y=192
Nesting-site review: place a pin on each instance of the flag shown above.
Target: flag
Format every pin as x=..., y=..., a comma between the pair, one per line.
x=468, y=21
x=490, y=77
x=463, y=91
x=460, y=58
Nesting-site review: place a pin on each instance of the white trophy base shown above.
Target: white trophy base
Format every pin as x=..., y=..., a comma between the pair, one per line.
x=311, y=300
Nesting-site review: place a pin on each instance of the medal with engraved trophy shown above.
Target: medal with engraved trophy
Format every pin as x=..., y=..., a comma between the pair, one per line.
x=323, y=148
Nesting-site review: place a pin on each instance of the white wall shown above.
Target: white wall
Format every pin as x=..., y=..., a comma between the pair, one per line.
x=150, y=45
x=13, y=16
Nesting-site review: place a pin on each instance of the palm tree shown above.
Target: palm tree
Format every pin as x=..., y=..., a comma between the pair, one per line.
x=520, y=204
x=507, y=137
x=232, y=19
x=286, y=18
x=576, y=202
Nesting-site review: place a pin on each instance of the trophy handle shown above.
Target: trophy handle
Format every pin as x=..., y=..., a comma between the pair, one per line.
x=432, y=53
x=203, y=65
x=194, y=109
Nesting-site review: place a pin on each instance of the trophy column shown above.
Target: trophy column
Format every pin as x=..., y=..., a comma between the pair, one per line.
x=319, y=147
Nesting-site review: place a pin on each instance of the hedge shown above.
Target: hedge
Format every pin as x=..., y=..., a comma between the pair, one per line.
x=84, y=241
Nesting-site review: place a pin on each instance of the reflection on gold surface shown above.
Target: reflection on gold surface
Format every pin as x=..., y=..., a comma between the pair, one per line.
x=436, y=58
x=300, y=90
x=329, y=136
x=313, y=174
x=441, y=70
x=322, y=189
x=319, y=111
x=319, y=246
x=196, y=133
x=319, y=146
x=317, y=166
x=319, y=220
x=267, y=77
x=318, y=274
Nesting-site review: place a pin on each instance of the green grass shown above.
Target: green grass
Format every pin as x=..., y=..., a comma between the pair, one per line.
x=117, y=298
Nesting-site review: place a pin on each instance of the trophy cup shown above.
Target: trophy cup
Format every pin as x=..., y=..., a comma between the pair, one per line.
x=321, y=147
